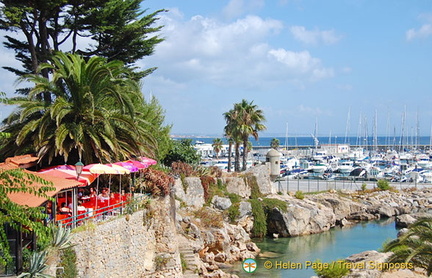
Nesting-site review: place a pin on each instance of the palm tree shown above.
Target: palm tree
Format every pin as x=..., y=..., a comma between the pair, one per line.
x=217, y=146
x=415, y=246
x=91, y=115
x=249, y=122
x=231, y=133
x=274, y=143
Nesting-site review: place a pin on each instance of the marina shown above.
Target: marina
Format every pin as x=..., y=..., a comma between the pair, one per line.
x=401, y=161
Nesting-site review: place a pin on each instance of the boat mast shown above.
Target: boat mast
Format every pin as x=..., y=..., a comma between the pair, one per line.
x=402, y=131
x=347, y=128
x=375, y=136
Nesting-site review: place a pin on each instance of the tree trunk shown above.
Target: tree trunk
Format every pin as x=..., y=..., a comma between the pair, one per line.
x=237, y=157
x=229, y=156
x=245, y=152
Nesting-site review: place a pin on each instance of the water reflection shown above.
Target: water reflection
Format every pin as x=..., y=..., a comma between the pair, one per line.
x=338, y=243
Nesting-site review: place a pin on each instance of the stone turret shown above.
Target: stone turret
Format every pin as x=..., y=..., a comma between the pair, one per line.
x=273, y=156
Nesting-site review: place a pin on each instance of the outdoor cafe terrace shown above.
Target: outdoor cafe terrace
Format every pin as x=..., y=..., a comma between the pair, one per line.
x=78, y=194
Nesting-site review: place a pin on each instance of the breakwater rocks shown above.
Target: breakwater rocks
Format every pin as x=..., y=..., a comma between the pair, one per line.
x=318, y=213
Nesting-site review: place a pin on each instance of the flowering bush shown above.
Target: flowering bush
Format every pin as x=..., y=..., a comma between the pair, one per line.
x=157, y=182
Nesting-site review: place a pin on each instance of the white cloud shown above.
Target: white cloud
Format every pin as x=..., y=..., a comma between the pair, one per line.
x=236, y=8
x=314, y=37
x=303, y=109
x=236, y=54
x=423, y=32
x=301, y=62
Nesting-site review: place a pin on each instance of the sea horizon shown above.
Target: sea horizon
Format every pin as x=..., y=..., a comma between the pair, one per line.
x=290, y=141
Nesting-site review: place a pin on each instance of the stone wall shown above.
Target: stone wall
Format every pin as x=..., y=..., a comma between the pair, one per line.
x=138, y=247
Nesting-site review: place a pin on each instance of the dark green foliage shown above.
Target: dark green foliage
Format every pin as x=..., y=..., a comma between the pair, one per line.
x=118, y=30
x=270, y=204
x=274, y=143
x=234, y=209
x=17, y=216
x=234, y=212
x=253, y=184
x=413, y=247
x=182, y=150
x=260, y=210
x=260, y=219
x=68, y=262
x=243, y=121
x=94, y=114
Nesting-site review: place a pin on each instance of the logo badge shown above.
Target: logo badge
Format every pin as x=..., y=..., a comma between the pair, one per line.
x=249, y=265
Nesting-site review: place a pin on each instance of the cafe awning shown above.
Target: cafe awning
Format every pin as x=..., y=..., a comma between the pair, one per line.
x=34, y=201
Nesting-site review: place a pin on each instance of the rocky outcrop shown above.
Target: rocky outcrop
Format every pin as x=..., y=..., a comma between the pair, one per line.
x=216, y=244
x=368, y=264
x=262, y=175
x=237, y=186
x=318, y=213
x=191, y=192
x=302, y=217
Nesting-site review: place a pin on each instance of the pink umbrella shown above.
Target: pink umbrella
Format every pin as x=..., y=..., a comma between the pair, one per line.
x=138, y=164
x=148, y=161
x=130, y=166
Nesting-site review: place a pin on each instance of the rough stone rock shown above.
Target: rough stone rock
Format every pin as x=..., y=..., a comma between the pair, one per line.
x=367, y=263
x=362, y=216
x=402, y=232
x=220, y=257
x=301, y=218
x=387, y=211
x=246, y=223
x=262, y=174
x=344, y=222
x=194, y=231
x=404, y=220
x=237, y=186
x=245, y=209
x=342, y=207
x=194, y=193
x=221, y=203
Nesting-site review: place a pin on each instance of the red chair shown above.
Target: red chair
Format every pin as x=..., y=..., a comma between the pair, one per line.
x=64, y=219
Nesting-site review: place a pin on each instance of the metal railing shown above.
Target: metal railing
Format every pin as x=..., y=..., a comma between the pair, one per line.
x=317, y=185
x=102, y=213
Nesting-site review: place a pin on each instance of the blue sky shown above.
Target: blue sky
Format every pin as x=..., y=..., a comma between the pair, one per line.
x=335, y=66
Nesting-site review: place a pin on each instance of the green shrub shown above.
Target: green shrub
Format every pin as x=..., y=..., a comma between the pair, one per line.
x=253, y=184
x=218, y=189
x=260, y=220
x=68, y=262
x=234, y=212
x=363, y=186
x=209, y=217
x=383, y=184
x=183, y=262
x=299, y=195
x=270, y=203
x=334, y=269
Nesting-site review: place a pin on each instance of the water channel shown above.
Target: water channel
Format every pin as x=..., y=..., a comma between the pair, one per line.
x=338, y=243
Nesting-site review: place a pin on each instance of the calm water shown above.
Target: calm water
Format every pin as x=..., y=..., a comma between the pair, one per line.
x=338, y=243
x=355, y=141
